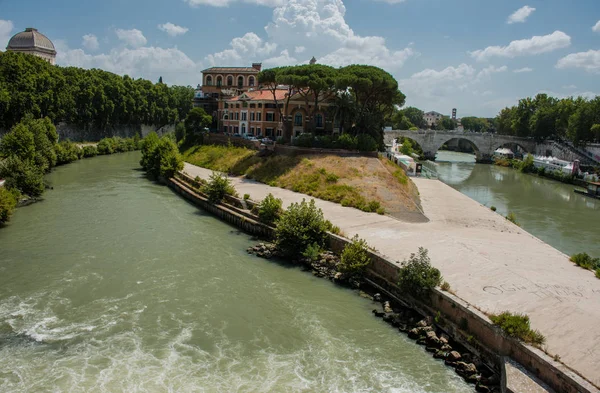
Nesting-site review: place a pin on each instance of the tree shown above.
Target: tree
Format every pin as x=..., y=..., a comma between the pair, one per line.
x=23, y=176
x=8, y=202
x=355, y=257
x=300, y=226
x=160, y=80
x=596, y=131
x=197, y=121
x=19, y=142
x=448, y=124
x=415, y=116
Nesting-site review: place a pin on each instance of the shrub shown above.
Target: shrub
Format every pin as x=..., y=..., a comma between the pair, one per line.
x=22, y=176
x=493, y=208
x=169, y=158
x=417, y=276
x=66, y=152
x=105, y=146
x=355, y=257
x=348, y=142
x=312, y=252
x=90, y=151
x=301, y=225
x=269, y=209
x=518, y=326
x=585, y=261
x=246, y=197
x=512, y=218
x=304, y=140
x=365, y=142
x=8, y=202
x=217, y=187
x=332, y=178
x=598, y=273
x=445, y=286
x=149, y=145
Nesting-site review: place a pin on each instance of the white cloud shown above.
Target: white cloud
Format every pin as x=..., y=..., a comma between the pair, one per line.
x=430, y=84
x=226, y=3
x=570, y=87
x=173, y=30
x=143, y=62
x=521, y=70
x=392, y=1
x=318, y=25
x=596, y=27
x=132, y=37
x=491, y=70
x=520, y=15
x=6, y=28
x=589, y=61
x=90, y=42
x=585, y=94
x=533, y=46
x=284, y=58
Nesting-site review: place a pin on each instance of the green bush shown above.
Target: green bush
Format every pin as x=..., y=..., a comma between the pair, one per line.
x=23, y=176
x=512, y=218
x=417, y=276
x=355, y=257
x=269, y=209
x=493, y=208
x=246, y=197
x=66, y=152
x=598, y=273
x=312, y=252
x=105, y=146
x=217, y=187
x=8, y=202
x=301, y=225
x=445, y=286
x=585, y=261
x=304, y=140
x=160, y=157
x=365, y=142
x=518, y=326
x=347, y=141
x=90, y=151
x=149, y=145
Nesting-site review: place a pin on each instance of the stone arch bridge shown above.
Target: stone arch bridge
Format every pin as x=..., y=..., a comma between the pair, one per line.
x=484, y=144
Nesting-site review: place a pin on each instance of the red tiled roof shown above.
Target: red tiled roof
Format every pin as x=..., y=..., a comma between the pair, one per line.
x=261, y=95
x=222, y=70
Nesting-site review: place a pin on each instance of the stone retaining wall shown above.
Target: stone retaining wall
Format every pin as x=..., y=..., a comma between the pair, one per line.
x=470, y=327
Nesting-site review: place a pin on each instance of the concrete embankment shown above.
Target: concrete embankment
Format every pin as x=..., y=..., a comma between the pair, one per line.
x=491, y=264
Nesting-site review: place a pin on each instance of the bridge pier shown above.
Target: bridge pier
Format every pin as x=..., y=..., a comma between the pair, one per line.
x=483, y=158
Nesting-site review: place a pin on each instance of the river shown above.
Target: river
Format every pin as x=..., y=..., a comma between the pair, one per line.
x=116, y=284
x=547, y=209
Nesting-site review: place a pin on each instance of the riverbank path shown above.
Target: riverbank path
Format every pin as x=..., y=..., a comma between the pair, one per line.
x=488, y=261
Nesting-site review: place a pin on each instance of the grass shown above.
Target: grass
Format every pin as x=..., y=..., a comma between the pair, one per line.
x=329, y=178
x=518, y=326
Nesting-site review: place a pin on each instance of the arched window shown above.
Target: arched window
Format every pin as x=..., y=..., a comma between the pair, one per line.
x=240, y=81
x=319, y=120
x=251, y=81
x=219, y=81
x=209, y=80
x=298, y=119
x=230, y=80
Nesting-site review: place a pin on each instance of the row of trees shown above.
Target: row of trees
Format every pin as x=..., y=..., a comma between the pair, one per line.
x=542, y=117
x=412, y=118
x=29, y=84
x=363, y=96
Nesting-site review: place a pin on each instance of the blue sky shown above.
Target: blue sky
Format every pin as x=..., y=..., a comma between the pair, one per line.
x=444, y=53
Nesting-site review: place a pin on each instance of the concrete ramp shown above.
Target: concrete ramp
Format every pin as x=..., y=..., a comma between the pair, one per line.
x=516, y=379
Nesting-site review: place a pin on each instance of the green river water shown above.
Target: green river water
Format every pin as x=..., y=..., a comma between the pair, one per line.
x=547, y=209
x=115, y=284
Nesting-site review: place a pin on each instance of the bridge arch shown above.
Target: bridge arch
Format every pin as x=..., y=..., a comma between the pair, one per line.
x=476, y=150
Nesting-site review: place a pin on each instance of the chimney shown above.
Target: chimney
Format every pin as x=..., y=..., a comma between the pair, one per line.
x=257, y=66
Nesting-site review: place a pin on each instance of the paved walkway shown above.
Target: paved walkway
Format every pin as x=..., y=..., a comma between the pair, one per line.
x=488, y=261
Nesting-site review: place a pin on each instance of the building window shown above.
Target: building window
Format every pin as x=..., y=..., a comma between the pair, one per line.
x=225, y=116
x=225, y=129
x=244, y=116
x=244, y=104
x=319, y=120
x=219, y=81
x=258, y=131
x=252, y=105
x=269, y=132
x=230, y=129
x=209, y=80
x=270, y=116
x=243, y=128
x=252, y=117
x=251, y=81
x=236, y=130
x=240, y=81
x=230, y=80
x=259, y=116
x=251, y=130
x=226, y=105
x=298, y=119
x=279, y=133
x=260, y=105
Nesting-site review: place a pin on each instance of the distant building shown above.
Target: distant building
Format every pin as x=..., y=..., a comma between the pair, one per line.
x=222, y=83
x=454, y=114
x=432, y=118
x=34, y=43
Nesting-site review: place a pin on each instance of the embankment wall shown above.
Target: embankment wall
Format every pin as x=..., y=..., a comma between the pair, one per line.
x=91, y=133
x=469, y=326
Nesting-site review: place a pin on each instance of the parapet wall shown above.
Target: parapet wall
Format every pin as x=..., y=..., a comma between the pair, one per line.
x=469, y=326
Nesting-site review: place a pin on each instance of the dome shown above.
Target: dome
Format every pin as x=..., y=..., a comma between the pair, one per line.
x=31, y=39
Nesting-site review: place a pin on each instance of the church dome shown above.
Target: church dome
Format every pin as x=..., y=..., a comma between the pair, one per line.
x=31, y=39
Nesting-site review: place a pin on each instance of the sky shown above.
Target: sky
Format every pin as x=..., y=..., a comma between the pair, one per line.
x=478, y=56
